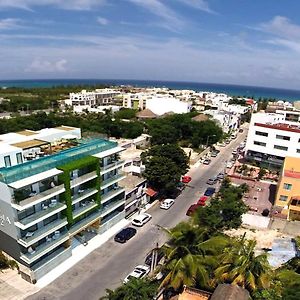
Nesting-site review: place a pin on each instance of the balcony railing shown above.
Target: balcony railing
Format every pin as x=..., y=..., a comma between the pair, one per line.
x=111, y=194
x=40, y=216
x=47, y=194
x=83, y=209
x=112, y=180
x=85, y=194
x=44, y=248
x=82, y=179
x=33, y=237
x=109, y=208
x=87, y=221
x=112, y=165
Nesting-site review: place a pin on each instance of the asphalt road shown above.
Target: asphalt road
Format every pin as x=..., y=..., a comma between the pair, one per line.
x=108, y=265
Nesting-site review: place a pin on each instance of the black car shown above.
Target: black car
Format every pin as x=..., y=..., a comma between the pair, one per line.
x=209, y=191
x=125, y=234
x=148, y=259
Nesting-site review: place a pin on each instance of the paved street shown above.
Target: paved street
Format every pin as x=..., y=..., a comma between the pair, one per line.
x=107, y=266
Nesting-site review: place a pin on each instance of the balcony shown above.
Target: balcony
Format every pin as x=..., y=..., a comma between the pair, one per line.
x=112, y=166
x=111, y=194
x=109, y=208
x=83, y=209
x=44, y=248
x=40, y=216
x=85, y=194
x=45, y=195
x=114, y=179
x=87, y=221
x=42, y=232
x=82, y=179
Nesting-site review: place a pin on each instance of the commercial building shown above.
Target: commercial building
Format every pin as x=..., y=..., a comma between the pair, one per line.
x=56, y=190
x=288, y=188
x=272, y=137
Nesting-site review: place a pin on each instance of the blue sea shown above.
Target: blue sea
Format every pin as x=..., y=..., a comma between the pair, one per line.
x=233, y=90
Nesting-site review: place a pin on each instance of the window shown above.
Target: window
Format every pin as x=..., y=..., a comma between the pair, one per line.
x=298, y=150
x=282, y=137
x=283, y=198
x=26, y=213
x=260, y=143
x=280, y=147
x=287, y=186
x=7, y=161
x=261, y=133
x=19, y=158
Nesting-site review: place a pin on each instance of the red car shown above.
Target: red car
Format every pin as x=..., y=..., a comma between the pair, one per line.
x=186, y=179
x=202, y=201
x=192, y=209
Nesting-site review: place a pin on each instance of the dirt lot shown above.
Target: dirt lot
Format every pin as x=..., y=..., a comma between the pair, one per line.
x=261, y=195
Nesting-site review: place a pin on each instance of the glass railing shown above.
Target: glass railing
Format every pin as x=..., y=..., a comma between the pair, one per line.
x=34, y=236
x=111, y=180
x=84, y=208
x=42, y=164
x=84, y=178
x=113, y=164
x=109, y=208
x=81, y=196
x=41, y=196
x=45, y=247
x=111, y=194
x=41, y=215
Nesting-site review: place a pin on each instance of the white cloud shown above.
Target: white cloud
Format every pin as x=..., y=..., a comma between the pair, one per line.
x=9, y=23
x=45, y=66
x=170, y=19
x=64, y=4
x=102, y=21
x=198, y=4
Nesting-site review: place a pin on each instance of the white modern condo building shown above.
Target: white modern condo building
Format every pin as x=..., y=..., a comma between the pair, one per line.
x=57, y=190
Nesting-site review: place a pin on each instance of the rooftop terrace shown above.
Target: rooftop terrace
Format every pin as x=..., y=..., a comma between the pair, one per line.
x=29, y=168
x=280, y=126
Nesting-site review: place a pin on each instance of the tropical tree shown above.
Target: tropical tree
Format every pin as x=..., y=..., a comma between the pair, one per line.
x=239, y=265
x=135, y=289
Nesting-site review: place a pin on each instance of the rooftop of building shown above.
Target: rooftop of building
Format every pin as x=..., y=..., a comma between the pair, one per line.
x=291, y=167
x=131, y=182
x=82, y=149
x=280, y=126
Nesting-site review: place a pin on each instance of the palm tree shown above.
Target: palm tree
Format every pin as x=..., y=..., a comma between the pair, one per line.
x=240, y=266
x=189, y=256
x=135, y=289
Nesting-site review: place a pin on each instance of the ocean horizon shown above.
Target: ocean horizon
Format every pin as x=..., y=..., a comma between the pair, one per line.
x=230, y=89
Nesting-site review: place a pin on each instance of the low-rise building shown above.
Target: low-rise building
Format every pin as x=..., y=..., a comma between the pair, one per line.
x=288, y=188
x=56, y=190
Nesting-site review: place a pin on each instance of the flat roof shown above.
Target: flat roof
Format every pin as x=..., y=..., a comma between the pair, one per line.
x=30, y=144
x=109, y=151
x=280, y=126
x=26, y=132
x=67, y=128
x=29, y=168
x=131, y=182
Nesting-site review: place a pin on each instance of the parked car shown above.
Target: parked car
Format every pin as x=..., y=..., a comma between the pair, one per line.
x=167, y=203
x=139, y=272
x=186, y=179
x=212, y=181
x=207, y=161
x=125, y=234
x=221, y=176
x=202, y=201
x=227, y=142
x=141, y=219
x=160, y=255
x=234, y=152
x=192, y=209
x=209, y=191
x=214, y=154
x=241, y=130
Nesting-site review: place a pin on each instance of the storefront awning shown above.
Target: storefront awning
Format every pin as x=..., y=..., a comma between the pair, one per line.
x=150, y=192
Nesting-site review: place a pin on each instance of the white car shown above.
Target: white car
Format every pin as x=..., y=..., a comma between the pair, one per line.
x=139, y=272
x=141, y=219
x=167, y=203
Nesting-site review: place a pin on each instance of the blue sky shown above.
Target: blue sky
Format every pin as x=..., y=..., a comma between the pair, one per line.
x=251, y=42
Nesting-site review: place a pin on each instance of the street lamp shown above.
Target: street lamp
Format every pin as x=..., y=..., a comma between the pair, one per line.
x=208, y=139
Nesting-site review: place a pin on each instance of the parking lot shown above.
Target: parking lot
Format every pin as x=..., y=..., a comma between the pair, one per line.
x=261, y=195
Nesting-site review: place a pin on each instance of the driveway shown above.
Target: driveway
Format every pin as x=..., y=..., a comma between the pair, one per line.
x=107, y=266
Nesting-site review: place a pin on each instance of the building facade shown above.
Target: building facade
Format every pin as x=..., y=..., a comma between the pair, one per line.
x=288, y=189
x=271, y=138
x=66, y=194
